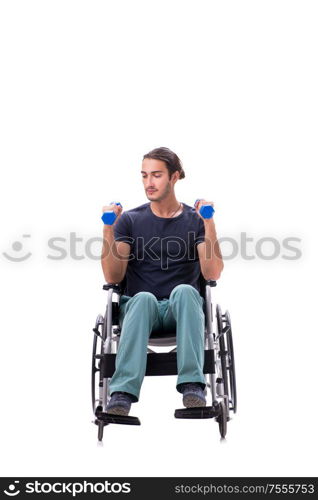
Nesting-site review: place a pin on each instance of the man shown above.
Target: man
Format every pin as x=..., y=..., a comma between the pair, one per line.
x=161, y=247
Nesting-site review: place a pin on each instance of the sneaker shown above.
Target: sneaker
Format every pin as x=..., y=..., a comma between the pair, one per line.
x=193, y=395
x=119, y=403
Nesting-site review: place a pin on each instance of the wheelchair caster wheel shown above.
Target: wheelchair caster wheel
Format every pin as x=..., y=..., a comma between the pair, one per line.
x=100, y=430
x=222, y=419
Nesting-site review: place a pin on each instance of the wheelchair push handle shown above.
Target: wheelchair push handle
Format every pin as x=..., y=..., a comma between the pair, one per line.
x=109, y=216
x=206, y=211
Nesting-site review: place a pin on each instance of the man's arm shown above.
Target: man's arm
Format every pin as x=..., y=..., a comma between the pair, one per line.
x=210, y=256
x=114, y=257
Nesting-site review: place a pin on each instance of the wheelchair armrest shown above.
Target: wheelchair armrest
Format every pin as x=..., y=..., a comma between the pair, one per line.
x=114, y=286
x=112, y=312
x=210, y=282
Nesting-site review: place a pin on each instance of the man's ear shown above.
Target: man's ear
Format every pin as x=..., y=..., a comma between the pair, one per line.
x=175, y=176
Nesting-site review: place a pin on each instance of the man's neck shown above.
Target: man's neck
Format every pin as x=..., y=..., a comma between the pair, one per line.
x=165, y=208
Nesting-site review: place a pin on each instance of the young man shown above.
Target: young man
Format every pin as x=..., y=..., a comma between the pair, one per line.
x=161, y=247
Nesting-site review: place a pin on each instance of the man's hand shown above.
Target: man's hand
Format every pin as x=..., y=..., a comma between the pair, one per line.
x=114, y=253
x=199, y=204
x=210, y=256
x=118, y=209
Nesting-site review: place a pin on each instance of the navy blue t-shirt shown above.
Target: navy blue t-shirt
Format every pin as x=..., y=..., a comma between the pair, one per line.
x=163, y=250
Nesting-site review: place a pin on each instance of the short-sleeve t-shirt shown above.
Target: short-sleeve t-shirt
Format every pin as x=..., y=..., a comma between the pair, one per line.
x=163, y=250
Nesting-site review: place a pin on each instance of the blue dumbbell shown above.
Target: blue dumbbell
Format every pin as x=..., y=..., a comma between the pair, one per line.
x=206, y=211
x=109, y=217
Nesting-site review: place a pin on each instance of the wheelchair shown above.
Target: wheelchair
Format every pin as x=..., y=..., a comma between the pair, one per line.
x=219, y=365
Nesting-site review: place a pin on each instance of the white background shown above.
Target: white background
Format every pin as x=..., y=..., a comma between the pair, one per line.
x=87, y=88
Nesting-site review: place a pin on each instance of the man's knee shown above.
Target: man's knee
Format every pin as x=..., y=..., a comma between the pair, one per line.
x=145, y=295
x=185, y=292
x=144, y=298
x=184, y=289
x=145, y=303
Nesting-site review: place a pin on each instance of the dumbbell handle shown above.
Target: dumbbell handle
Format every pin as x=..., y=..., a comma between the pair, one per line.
x=109, y=216
x=206, y=211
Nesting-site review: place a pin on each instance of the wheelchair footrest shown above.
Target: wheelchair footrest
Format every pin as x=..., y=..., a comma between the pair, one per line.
x=197, y=412
x=108, y=418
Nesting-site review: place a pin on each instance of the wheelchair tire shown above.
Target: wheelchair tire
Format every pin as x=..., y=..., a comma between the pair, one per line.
x=223, y=350
x=222, y=419
x=230, y=348
x=100, y=430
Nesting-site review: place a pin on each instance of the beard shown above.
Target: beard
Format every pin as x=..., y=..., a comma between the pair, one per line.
x=166, y=192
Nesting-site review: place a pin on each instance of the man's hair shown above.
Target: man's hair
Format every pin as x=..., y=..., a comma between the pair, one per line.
x=170, y=158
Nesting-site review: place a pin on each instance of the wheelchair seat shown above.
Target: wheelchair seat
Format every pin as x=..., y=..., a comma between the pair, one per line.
x=162, y=338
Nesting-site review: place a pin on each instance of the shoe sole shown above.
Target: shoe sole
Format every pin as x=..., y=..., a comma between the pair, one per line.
x=193, y=401
x=118, y=410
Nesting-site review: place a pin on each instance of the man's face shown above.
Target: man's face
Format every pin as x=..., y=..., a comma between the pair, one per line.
x=155, y=178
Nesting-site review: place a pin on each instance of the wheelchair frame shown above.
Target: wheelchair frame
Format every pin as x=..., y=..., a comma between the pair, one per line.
x=219, y=364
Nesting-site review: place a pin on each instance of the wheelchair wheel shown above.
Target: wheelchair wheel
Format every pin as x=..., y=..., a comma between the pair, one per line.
x=231, y=366
x=223, y=350
x=222, y=419
x=100, y=431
